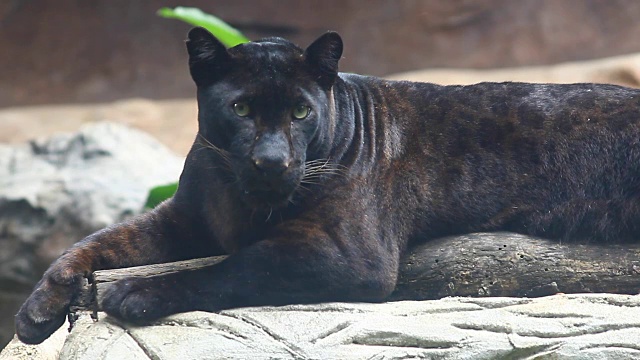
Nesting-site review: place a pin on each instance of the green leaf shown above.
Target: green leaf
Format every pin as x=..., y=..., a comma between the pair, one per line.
x=228, y=35
x=159, y=194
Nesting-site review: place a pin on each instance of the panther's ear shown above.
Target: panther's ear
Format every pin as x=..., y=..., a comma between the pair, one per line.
x=323, y=56
x=207, y=56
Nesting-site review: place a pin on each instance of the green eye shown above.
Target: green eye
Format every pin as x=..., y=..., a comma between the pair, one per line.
x=241, y=109
x=300, y=112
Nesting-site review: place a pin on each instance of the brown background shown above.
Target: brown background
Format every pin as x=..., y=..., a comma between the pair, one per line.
x=60, y=51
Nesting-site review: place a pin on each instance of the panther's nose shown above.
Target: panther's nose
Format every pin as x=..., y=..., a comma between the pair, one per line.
x=271, y=153
x=271, y=165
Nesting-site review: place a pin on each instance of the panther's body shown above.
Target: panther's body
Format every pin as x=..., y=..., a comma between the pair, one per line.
x=316, y=182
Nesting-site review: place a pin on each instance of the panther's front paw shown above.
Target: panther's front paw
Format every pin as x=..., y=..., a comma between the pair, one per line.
x=39, y=317
x=140, y=300
x=46, y=308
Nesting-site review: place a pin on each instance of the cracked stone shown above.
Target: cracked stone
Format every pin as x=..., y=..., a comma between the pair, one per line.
x=582, y=326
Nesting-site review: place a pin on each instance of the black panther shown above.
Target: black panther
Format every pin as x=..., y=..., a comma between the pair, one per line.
x=316, y=182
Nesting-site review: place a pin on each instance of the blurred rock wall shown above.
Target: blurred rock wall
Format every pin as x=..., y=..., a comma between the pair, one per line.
x=58, y=51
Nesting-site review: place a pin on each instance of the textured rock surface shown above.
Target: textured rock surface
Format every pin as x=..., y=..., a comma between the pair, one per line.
x=47, y=350
x=584, y=326
x=55, y=191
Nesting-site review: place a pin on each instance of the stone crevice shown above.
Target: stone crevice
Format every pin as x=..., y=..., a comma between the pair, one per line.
x=294, y=350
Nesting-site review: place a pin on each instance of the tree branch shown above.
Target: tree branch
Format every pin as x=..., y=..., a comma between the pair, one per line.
x=482, y=264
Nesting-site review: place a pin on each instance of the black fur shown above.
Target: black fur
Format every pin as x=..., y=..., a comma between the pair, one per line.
x=321, y=208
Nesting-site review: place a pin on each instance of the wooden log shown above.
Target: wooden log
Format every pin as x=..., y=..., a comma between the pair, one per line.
x=481, y=264
x=509, y=264
x=91, y=294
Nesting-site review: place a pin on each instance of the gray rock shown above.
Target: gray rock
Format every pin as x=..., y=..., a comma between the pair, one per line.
x=583, y=326
x=57, y=190
x=47, y=350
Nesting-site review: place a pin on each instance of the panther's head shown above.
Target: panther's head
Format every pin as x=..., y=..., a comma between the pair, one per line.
x=265, y=109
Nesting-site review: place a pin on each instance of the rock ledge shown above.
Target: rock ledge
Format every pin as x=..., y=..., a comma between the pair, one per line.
x=580, y=326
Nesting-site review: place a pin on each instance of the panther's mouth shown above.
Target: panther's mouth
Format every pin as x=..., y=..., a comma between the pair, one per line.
x=270, y=191
x=267, y=199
